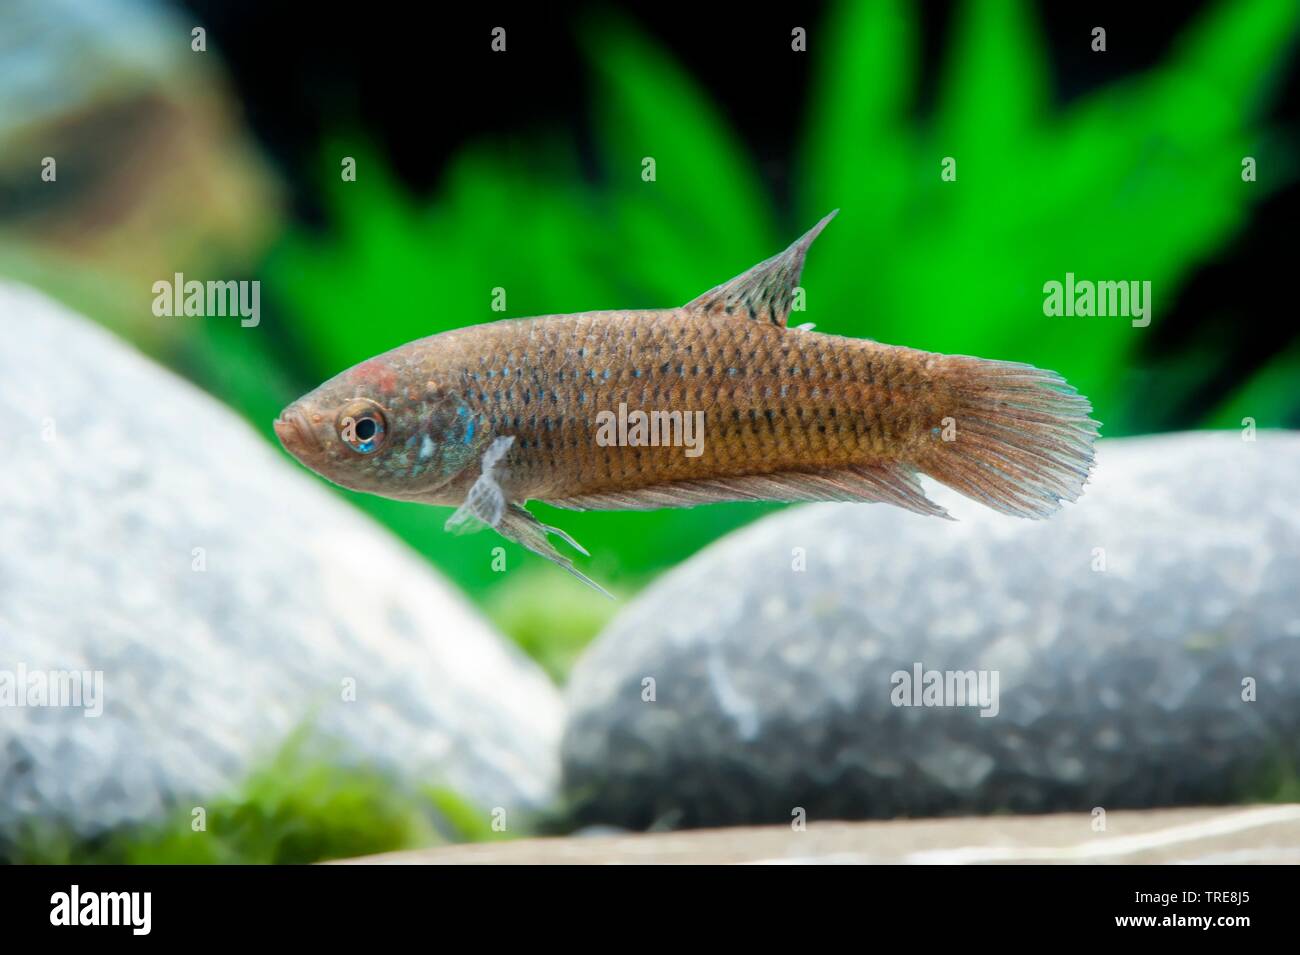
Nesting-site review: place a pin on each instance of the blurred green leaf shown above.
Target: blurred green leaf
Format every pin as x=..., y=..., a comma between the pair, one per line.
x=705, y=210
x=1139, y=181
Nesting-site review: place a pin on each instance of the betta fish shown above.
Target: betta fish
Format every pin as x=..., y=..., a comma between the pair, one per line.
x=716, y=400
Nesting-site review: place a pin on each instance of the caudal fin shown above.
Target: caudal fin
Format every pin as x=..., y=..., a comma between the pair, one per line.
x=1019, y=439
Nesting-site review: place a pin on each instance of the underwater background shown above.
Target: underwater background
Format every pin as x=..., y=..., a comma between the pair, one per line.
x=478, y=170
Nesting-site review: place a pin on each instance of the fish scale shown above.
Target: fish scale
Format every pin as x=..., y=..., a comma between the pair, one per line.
x=490, y=416
x=772, y=399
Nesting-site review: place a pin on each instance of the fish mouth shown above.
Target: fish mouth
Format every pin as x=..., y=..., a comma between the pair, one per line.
x=296, y=434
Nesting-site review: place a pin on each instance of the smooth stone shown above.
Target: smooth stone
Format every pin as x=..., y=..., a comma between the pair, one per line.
x=1118, y=687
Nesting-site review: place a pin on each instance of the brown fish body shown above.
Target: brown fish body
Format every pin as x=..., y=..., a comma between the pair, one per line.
x=773, y=399
x=714, y=401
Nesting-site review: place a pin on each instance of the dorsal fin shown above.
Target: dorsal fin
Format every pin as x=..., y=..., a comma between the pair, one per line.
x=764, y=292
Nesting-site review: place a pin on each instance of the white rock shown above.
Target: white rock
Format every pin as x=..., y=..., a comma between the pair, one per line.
x=115, y=472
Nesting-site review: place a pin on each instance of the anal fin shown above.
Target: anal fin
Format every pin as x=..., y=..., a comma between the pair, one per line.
x=884, y=483
x=526, y=530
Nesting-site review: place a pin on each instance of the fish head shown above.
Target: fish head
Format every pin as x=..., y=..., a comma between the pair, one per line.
x=369, y=429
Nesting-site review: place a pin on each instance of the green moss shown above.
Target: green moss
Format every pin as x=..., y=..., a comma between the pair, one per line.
x=1277, y=782
x=300, y=807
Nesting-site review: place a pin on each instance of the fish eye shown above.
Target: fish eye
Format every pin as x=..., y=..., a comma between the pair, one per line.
x=362, y=427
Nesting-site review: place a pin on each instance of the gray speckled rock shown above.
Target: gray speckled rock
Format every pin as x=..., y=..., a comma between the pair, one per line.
x=206, y=673
x=1118, y=687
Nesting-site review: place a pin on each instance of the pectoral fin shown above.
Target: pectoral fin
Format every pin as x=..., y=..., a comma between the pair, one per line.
x=487, y=504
